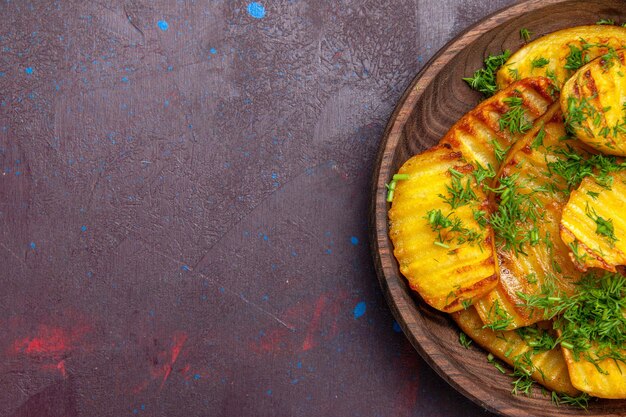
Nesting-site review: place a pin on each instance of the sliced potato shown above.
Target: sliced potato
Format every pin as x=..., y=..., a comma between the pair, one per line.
x=559, y=54
x=594, y=103
x=594, y=223
x=549, y=368
x=448, y=266
x=533, y=257
x=585, y=375
x=481, y=135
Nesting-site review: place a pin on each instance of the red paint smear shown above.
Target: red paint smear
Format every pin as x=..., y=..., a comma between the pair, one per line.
x=314, y=325
x=50, y=341
x=169, y=358
x=322, y=315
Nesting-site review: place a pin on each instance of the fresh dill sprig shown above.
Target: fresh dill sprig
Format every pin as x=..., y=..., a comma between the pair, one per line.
x=514, y=119
x=604, y=227
x=499, y=319
x=525, y=34
x=492, y=360
x=391, y=187
x=573, y=167
x=459, y=194
x=514, y=210
x=484, y=79
x=539, y=62
x=464, y=340
x=605, y=22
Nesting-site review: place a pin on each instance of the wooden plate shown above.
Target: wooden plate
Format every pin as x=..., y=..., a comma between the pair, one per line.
x=436, y=98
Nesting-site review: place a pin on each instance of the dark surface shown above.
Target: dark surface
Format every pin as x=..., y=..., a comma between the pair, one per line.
x=184, y=211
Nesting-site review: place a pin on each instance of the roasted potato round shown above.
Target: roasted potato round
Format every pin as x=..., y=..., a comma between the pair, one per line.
x=594, y=103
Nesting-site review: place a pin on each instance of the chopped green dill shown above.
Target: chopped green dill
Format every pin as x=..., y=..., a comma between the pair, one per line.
x=459, y=194
x=492, y=360
x=391, y=187
x=539, y=340
x=466, y=303
x=591, y=322
x=573, y=167
x=604, y=227
x=484, y=79
x=525, y=34
x=498, y=317
x=514, y=209
x=514, y=119
x=539, y=137
x=450, y=228
x=580, y=257
x=593, y=194
x=580, y=401
x=605, y=22
x=514, y=73
x=464, y=340
x=555, y=80
x=499, y=151
x=481, y=217
x=539, y=62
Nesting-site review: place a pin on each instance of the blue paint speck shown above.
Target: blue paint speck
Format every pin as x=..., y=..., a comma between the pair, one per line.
x=32, y=245
x=1, y=74
x=396, y=327
x=167, y=103
x=213, y=51
x=83, y=228
x=163, y=25
x=196, y=376
x=135, y=411
x=328, y=251
x=256, y=10
x=222, y=290
x=354, y=240
x=299, y=365
x=265, y=297
x=18, y=173
x=143, y=406
x=269, y=392
x=124, y=79
x=28, y=70
x=359, y=310
x=89, y=274
x=185, y=268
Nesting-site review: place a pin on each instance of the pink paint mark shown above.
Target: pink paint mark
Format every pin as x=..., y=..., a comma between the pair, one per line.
x=179, y=340
x=49, y=341
x=314, y=325
x=61, y=368
x=323, y=316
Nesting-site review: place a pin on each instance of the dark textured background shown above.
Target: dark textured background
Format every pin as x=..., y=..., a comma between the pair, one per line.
x=183, y=207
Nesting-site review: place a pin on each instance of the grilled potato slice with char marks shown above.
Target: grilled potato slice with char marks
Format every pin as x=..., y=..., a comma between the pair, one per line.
x=594, y=103
x=546, y=367
x=444, y=252
x=559, y=54
x=526, y=224
x=585, y=375
x=593, y=224
x=485, y=133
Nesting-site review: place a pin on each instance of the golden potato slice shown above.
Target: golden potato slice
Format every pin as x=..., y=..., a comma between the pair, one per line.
x=442, y=245
x=526, y=225
x=594, y=103
x=585, y=376
x=591, y=326
x=546, y=367
x=559, y=54
x=485, y=133
x=593, y=224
